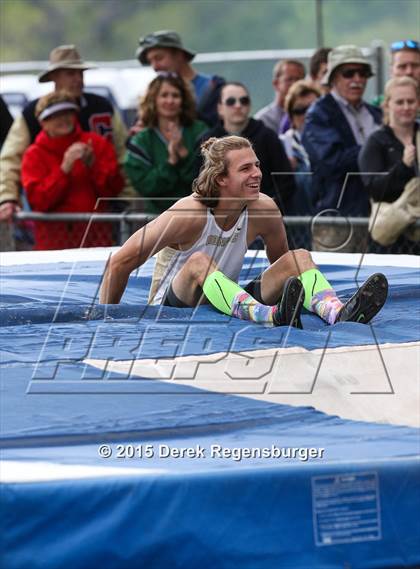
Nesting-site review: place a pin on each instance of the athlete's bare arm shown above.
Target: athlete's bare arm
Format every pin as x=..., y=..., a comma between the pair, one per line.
x=266, y=220
x=177, y=227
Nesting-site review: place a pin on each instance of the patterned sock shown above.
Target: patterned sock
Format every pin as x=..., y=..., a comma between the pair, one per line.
x=326, y=305
x=320, y=297
x=228, y=297
x=245, y=307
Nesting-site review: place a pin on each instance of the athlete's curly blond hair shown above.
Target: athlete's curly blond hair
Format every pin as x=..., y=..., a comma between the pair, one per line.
x=214, y=152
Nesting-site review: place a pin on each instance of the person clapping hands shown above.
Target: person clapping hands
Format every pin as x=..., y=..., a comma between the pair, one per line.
x=78, y=151
x=67, y=170
x=160, y=158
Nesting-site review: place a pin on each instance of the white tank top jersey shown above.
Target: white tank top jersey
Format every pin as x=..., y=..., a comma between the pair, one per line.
x=226, y=248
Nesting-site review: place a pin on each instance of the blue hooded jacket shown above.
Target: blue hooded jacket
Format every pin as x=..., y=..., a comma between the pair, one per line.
x=333, y=152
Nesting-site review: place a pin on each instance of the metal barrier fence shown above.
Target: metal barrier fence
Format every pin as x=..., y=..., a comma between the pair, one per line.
x=314, y=233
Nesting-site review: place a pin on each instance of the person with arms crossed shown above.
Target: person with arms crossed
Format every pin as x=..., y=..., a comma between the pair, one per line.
x=208, y=234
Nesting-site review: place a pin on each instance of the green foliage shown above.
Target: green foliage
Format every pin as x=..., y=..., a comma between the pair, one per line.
x=109, y=29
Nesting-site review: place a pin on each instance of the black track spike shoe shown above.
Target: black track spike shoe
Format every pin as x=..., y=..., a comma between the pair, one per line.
x=366, y=302
x=290, y=305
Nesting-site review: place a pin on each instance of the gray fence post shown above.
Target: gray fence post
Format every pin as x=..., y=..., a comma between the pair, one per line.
x=125, y=230
x=380, y=58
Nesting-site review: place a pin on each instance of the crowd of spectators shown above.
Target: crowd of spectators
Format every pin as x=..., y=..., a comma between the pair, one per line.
x=322, y=146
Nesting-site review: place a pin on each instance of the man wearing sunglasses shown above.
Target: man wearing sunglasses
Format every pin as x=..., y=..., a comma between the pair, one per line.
x=336, y=127
x=234, y=111
x=405, y=59
x=405, y=62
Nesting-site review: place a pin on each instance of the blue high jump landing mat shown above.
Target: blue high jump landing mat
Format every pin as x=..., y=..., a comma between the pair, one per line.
x=139, y=436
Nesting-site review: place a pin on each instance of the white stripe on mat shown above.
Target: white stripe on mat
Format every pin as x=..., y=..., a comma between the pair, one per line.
x=367, y=383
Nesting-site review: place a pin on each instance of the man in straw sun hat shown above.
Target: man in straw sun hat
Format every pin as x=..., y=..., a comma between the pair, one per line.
x=336, y=127
x=63, y=57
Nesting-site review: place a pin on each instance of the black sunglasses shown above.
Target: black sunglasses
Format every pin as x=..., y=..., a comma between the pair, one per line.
x=300, y=110
x=407, y=44
x=350, y=73
x=244, y=101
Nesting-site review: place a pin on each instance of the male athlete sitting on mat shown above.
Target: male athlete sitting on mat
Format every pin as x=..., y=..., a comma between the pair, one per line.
x=203, y=239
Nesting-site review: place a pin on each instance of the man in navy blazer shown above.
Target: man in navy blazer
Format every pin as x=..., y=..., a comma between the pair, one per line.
x=336, y=127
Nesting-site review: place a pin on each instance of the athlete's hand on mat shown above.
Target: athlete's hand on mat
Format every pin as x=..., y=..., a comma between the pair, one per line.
x=409, y=155
x=7, y=211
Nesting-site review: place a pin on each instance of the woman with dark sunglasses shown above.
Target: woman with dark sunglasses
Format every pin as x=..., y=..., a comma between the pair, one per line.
x=299, y=98
x=234, y=110
x=160, y=158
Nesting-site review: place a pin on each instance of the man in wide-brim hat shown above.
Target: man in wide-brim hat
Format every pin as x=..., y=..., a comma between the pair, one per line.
x=346, y=55
x=336, y=127
x=63, y=57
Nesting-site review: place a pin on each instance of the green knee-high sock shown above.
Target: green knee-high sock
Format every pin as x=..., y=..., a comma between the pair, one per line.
x=320, y=296
x=228, y=297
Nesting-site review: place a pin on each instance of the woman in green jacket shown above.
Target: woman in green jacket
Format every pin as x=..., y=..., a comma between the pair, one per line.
x=160, y=158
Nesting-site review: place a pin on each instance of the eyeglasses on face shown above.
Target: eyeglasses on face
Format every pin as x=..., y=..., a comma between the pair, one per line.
x=360, y=71
x=300, y=110
x=244, y=101
x=405, y=44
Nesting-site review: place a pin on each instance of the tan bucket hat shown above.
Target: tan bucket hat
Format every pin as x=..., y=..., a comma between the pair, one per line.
x=63, y=57
x=340, y=56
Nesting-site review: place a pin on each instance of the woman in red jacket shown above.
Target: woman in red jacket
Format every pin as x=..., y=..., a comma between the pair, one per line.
x=69, y=170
